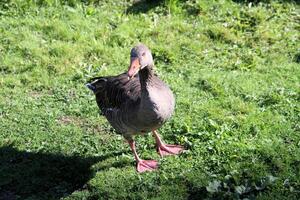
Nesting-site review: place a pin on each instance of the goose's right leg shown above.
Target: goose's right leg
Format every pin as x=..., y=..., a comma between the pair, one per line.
x=166, y=149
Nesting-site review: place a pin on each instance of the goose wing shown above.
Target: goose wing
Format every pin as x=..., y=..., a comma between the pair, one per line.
x=113, y=92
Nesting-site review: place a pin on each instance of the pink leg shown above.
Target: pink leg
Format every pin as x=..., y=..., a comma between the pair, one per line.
x=166, y=149
x=142, y=165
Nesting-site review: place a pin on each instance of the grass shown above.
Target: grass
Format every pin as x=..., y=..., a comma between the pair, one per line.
x=233, y=65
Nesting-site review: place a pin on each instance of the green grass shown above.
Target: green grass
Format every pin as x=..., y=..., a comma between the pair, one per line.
x=233, y=65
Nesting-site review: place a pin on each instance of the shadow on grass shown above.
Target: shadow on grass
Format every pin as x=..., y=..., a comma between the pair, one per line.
x=143, y=6
x=43, y=175
x=264, y=1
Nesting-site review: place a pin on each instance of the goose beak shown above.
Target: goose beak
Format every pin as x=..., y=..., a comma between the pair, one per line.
x=134, y=67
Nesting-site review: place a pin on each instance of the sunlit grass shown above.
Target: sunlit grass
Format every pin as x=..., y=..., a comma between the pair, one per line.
x=233, y=66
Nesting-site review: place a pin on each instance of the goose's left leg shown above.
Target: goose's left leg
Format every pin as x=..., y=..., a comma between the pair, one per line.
x=166, y=149
x=142, y=165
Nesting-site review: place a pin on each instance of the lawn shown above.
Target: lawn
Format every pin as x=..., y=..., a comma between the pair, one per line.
x=234, y=67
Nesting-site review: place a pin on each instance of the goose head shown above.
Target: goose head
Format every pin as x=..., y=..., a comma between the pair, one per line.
x=140, y=57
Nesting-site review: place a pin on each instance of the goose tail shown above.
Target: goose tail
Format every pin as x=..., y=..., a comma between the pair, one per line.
x=91, y=87
x=96, y=83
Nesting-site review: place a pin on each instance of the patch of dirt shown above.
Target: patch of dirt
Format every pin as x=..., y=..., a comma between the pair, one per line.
x=66, y=120
x=35, y=94
x=82, y=123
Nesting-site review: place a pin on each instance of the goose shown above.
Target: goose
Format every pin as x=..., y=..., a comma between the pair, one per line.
x=137, y=102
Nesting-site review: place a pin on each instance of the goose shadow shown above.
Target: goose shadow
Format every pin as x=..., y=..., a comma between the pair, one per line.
x=37, y=175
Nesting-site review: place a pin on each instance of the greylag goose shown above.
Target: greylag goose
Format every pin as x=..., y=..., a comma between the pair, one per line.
x=137, y=102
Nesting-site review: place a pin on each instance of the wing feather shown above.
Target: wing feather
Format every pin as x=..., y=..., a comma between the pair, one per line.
x=113, y=92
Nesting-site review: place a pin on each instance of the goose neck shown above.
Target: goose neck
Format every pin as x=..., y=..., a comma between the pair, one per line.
x=146, y=75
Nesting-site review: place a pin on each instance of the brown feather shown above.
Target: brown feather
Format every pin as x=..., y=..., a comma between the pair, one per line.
x=114, y=91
